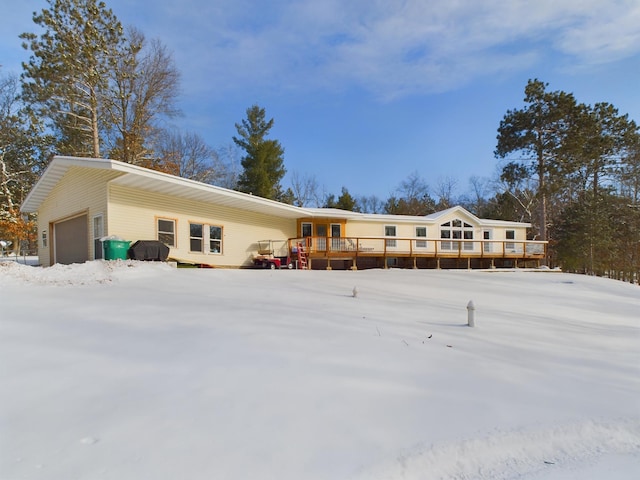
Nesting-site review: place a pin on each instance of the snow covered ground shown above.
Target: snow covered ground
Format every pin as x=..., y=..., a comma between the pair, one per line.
x=125, y=370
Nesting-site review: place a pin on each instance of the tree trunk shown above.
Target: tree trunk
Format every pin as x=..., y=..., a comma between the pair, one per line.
x=542, y=207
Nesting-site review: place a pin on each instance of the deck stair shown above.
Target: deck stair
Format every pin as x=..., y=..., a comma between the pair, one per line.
x=302, y=257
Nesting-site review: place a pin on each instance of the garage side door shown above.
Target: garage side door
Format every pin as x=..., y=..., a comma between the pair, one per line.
x=71, y=241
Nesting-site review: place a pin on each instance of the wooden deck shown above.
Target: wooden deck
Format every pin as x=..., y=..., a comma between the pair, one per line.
x=384, y=252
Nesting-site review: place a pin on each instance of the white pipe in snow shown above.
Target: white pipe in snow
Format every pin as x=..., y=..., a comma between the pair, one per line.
x=471, y=313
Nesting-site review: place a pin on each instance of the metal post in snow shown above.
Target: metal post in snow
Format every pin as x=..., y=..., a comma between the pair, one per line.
x=471, y=312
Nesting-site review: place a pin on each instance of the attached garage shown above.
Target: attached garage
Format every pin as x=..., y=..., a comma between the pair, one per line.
x=71, y=240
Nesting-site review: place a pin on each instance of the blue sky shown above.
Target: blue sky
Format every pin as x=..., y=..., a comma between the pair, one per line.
x=366, y=92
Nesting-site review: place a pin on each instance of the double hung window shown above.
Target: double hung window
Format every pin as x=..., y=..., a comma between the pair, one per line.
x=390, y=231
x=196, y=237
x=421, y=232
x=167, y=232
x=215, y=239
x=98, y=233
x=201, y=235
x=510, y=235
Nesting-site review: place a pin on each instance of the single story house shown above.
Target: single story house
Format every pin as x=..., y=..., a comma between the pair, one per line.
x=80, y=201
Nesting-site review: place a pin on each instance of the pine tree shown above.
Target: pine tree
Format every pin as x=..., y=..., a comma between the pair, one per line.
x=344, y=202
x=263, y=162
x=536, y=133
x=66, y=75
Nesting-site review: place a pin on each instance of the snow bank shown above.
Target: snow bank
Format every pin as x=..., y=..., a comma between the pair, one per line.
x=507, y=455
x=89, y=273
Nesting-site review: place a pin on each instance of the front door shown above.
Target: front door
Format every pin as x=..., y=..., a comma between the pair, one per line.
x=321, y=235
x=335, y=237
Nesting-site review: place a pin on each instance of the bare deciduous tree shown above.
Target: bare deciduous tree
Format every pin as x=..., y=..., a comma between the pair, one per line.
x=23, y=152
x=187, y=155
x=305, y=189
x=143, y=88
x=445, y=189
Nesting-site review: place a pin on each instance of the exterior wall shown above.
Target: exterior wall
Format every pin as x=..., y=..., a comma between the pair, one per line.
x=368, y=228
x=133, y=216
x=80, y=191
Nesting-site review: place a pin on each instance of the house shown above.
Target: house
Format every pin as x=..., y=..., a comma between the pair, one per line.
x=79, y=201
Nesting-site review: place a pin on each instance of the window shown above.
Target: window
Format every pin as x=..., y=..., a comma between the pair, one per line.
x=390, y=231
x=468, y=235
x=201, y=235
x=215, y=239
x=44, y=238
x=421, y=232
x=456, y=230
x=196, y=237
x=306, y=230
x=486, y=235
x=510, y=235
x=167, y=232
x=98, y=233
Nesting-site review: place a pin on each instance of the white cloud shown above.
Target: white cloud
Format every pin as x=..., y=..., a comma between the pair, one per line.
x=390, y=48
x=611, y=32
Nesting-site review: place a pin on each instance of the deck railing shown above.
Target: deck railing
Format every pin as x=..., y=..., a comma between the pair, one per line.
x=420, y=247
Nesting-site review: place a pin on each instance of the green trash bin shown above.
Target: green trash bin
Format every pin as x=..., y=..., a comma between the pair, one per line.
x=115, y=249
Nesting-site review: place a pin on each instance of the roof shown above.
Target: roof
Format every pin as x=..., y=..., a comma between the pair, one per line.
x=159, y=182
x=430, y=219
x=136, y=177
x=460, y=211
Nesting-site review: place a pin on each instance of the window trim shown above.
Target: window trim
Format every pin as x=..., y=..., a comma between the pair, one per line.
x=511, y=246
x=390, y=242
x=487, y=236
x=159, y=232
x=458, y=230
x=207, y=239
x=218, y=240
x=302, y=228
x=421, y=243
x=97, y=244
x=193, y=237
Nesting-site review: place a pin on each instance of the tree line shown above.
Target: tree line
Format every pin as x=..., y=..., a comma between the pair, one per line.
x=92, y=87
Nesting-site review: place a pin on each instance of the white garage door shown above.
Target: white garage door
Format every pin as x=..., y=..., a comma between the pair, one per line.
x=71, y=241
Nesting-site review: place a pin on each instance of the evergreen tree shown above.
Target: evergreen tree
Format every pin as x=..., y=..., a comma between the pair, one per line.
x=411, y=198
x=98, y=86
x=599, y=139
x=536, y=133
x=587, y=233
x=65, y=77
x=344, y=202
x=263, y=162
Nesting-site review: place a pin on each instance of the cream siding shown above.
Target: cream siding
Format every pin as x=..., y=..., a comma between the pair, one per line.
x=406, y=229
x=80, y=191
x=133, y=215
